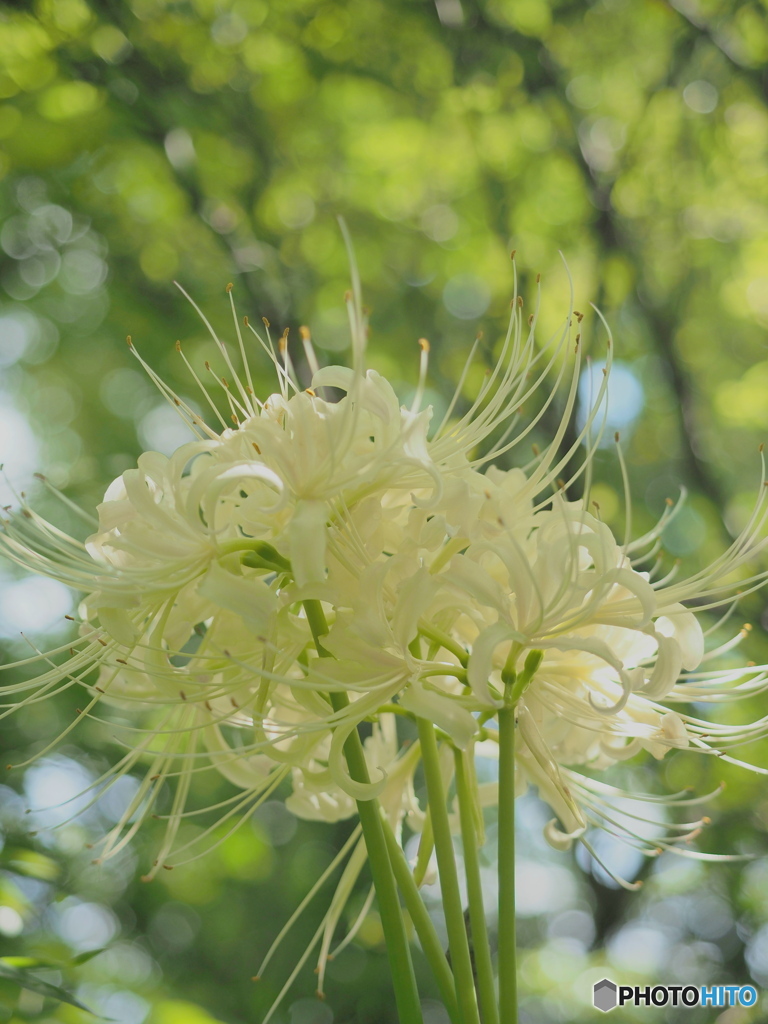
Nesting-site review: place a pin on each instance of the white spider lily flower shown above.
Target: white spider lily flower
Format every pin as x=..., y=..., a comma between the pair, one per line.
x=437, y=571
x=617, y=651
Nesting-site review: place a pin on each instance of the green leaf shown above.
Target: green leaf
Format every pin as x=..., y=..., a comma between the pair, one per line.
x=30, y=863
x=55, y=964
x=29, y=981
x=83, y=958
x=9, y=997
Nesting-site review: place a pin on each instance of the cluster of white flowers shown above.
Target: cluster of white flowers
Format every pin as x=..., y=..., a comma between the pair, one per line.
x=448, y=585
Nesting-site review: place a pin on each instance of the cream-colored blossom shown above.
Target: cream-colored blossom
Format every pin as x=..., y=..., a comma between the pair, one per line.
x=438, y=574
x=620, y=651
x=196, y=570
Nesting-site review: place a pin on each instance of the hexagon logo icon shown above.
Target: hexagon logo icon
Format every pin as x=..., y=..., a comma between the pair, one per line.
x=604, y=995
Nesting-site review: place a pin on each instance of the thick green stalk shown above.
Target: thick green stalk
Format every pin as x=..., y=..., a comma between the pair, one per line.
x=515, y=685
x=392, y=922
x=426, y=849
x=449, y=879
x=318, y=625
x=480, y=944
x=422, y=922
x=507, y=935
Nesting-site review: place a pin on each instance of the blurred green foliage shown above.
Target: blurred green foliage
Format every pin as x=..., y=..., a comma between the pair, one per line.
x=210, y=141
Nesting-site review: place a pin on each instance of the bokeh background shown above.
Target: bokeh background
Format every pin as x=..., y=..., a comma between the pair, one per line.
x=217, y=141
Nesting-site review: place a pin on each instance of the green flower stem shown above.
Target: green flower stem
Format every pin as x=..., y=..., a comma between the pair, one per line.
x=480, y=944
x=449, y=879
x=392, y=922
x=422, y=922
x=426, y=849
x=432, y=633
x=318, y=625
x=507, y=937
x=401, y=965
